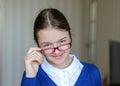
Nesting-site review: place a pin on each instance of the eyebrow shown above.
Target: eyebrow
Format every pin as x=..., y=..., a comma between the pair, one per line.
x=51, y=42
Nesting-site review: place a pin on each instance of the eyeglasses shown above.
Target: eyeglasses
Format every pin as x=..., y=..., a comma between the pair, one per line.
x=51, y=50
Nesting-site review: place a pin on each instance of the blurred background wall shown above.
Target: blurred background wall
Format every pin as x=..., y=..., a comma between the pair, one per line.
x=93, y=22
x=108, y=28
x=1, y=40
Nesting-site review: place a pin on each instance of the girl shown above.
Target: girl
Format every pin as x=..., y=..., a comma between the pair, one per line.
x=51, y=64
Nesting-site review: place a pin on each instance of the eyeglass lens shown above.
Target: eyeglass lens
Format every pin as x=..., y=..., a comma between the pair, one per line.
x=60, y=48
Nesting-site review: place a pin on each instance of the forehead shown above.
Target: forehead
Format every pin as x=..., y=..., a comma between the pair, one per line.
x=51, y=35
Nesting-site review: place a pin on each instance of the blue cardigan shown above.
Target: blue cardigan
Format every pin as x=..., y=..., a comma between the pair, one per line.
x=90, y=76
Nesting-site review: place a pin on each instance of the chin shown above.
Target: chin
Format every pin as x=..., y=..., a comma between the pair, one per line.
x=60, y=61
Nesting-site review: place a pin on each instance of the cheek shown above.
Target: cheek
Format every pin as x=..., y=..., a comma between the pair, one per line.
x=67, y=52
x=47, y=56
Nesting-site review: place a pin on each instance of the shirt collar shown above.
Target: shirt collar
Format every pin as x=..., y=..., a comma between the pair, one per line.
x=49, y=69
x=76, y=65
x=72, y=68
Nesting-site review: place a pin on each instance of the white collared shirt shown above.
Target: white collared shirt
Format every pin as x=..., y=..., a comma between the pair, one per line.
x=64, y=77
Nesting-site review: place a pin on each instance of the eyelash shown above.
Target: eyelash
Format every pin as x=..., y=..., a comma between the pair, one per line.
x=62, y=41
x=46, y=45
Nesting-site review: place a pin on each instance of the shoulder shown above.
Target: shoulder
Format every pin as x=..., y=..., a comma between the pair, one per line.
x=91, y=74
x=90, y=68
x=89, y=65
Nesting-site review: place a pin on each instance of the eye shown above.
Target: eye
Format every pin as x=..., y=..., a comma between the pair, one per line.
x=46, y=45
x=62, y=41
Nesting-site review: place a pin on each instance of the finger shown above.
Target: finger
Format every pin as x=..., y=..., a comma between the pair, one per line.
x=36, y=53
x=33, y=58
x=33, y=49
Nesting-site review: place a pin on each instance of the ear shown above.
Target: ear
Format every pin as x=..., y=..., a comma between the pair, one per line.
x=71, y=32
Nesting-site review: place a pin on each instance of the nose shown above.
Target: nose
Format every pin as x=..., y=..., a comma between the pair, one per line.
x=56, y=51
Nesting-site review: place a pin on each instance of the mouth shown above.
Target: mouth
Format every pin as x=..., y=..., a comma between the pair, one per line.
x=58, y=56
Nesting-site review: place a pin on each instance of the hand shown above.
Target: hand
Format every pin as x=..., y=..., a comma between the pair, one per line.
x=32, y=61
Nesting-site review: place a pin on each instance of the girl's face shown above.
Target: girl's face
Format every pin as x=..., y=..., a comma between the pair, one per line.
x=55, y=46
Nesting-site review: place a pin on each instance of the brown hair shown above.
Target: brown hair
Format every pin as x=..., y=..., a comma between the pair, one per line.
x=50, y=17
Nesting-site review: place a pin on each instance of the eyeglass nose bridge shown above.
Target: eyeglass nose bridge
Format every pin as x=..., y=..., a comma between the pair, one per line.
x=56, y=48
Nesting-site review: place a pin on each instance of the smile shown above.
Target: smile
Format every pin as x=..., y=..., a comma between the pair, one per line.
x=57, y=56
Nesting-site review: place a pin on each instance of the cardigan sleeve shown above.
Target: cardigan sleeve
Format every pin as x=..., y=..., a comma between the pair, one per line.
x=98, y=78
x=28, y=81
